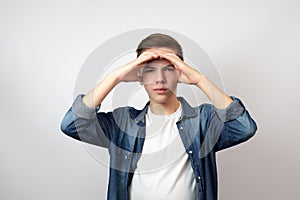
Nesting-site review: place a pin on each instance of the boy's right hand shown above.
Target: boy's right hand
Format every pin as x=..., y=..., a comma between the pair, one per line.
x=131, y=71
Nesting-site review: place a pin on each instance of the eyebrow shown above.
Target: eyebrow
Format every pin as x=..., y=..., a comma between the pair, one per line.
x=170, y=65
x=164, y=67
x=149, y=66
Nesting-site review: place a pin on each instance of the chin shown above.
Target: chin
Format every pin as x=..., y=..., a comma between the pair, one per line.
x=162, y=99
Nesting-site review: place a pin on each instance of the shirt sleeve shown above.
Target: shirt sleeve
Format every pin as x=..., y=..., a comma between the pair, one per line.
x=233, y=111
x=230, y=126
x=82, y=110
x=83, y=123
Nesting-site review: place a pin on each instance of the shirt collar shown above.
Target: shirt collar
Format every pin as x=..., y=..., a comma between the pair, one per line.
x=139, y=115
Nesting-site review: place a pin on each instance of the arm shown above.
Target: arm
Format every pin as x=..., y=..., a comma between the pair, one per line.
x=229, y=121
x=227, y=127
x=126, y=73
x=82, y=122
x=192, y=76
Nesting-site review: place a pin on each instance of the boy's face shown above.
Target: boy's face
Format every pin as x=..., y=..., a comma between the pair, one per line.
x=160, y=78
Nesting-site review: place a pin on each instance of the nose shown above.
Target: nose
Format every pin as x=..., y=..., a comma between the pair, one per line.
x=160, y=77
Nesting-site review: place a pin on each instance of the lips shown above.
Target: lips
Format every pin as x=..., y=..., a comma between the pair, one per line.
x=160, y=90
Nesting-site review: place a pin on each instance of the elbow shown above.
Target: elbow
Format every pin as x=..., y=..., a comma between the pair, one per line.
x=64, y=128
x=250, y=129
x=69, y=130
x=67, y=125
x=246, y=126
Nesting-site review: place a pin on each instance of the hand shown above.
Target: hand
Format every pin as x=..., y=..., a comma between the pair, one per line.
x=192, y=76
x=188, y=75
x=131, y=71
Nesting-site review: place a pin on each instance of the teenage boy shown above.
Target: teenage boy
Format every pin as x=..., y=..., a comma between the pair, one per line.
x=144, y=162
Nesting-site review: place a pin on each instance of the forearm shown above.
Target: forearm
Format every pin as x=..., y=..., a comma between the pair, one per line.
x=95, y=97
x=126, y=73
x=218, y=98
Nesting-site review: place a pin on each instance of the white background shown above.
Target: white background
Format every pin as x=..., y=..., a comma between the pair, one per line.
x=255, y=45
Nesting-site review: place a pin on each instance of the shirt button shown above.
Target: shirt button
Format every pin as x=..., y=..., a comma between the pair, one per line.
x=199, y=177
x=190, y=151
x=181, y=128
x=126, y=157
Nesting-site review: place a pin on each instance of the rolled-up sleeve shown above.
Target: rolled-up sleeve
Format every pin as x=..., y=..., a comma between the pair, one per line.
x=235, y=123
x=81, y=123
x=233, y=111
x=83, y=110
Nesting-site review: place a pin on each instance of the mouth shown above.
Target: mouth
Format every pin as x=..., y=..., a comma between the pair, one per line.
x=160, y=90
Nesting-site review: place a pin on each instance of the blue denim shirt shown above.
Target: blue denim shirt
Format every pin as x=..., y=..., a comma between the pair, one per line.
x=204, y=130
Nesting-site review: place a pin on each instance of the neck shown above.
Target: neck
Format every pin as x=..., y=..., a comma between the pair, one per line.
x=164, y=108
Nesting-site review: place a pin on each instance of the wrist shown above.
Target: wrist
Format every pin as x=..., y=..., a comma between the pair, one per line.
x=114, y=77
x=199, y=80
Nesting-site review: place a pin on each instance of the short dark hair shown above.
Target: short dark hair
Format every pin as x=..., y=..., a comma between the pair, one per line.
x=159, y=40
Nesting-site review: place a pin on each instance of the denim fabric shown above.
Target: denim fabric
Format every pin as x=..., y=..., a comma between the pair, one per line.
x=204, y=130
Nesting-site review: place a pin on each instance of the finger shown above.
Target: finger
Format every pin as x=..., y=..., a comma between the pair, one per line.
x=145, y=58
x=149, y=55
x=173, y=58
x=169, y=56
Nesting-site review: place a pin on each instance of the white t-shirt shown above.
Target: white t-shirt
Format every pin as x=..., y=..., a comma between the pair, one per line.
x=164, y=170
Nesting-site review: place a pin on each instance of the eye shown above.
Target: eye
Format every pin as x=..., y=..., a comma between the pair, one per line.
x=148, y=70
x=169, y=69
